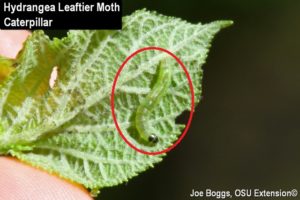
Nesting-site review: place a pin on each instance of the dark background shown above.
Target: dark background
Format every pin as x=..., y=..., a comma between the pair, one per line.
x=246, y=130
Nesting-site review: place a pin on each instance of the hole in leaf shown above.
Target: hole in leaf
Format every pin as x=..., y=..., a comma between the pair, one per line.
x=53, y=77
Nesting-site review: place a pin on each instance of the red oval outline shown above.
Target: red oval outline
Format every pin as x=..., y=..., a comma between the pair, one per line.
x=113, y=98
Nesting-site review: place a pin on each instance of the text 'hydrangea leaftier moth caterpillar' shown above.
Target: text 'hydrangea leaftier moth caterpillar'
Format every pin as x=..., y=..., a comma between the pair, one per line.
x=153, y=98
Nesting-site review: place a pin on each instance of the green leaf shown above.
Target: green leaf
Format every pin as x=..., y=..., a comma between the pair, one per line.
x=6, y=68
x=68, y=129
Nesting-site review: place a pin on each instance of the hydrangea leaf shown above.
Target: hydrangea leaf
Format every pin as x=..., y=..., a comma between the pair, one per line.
x=6, y=68
x=68, y=129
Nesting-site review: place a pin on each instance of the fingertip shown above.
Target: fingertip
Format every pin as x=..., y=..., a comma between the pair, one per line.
x=20, y=181
x=11, y=42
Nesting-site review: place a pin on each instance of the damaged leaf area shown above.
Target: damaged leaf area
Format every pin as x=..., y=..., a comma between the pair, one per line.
x=67, y=128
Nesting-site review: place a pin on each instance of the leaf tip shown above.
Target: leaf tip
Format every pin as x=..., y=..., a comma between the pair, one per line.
x=225, y=23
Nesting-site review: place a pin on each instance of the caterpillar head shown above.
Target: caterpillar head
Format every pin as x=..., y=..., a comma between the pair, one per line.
x=153, y=139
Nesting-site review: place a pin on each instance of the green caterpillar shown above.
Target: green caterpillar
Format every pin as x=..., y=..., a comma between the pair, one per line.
x=159, y=89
